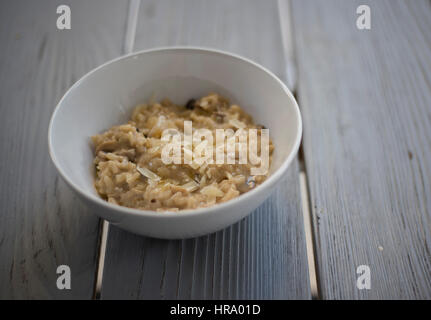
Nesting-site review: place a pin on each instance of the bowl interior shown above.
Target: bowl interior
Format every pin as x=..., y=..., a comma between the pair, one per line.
x=107, y=95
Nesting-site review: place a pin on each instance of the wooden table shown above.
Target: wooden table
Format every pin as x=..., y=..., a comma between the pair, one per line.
x=359, y=193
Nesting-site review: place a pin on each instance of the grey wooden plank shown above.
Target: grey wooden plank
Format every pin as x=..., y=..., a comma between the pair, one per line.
x=264, y=255
x=366, y=98
x=42, y=224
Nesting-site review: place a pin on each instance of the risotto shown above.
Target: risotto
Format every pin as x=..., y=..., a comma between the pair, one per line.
x=130, y=170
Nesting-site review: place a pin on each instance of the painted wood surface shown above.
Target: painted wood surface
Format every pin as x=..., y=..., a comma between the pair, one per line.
x=42, y=224
x=264, y=255
x=366, y=102
x=365, y=98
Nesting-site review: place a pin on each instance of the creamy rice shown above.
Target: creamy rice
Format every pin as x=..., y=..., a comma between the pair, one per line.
x=129, y=167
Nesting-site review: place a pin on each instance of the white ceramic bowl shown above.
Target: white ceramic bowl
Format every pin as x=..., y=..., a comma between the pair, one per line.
x=105, y=97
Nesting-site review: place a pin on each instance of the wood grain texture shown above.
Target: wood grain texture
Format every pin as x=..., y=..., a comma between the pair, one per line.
x=42, y=224
x=263, y=256
x=366, y=103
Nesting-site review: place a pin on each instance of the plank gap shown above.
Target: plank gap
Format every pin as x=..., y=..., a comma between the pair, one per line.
x=310, y=238
x=288, y=41
x=132, y=22
x=101, y=259
x=308, y=227
x=129, y=42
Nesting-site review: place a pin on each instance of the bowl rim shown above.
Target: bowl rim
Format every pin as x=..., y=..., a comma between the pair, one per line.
x=268, y=183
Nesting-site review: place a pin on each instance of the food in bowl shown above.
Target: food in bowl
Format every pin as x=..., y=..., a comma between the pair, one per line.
x=135, y=169
x=95, y=103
